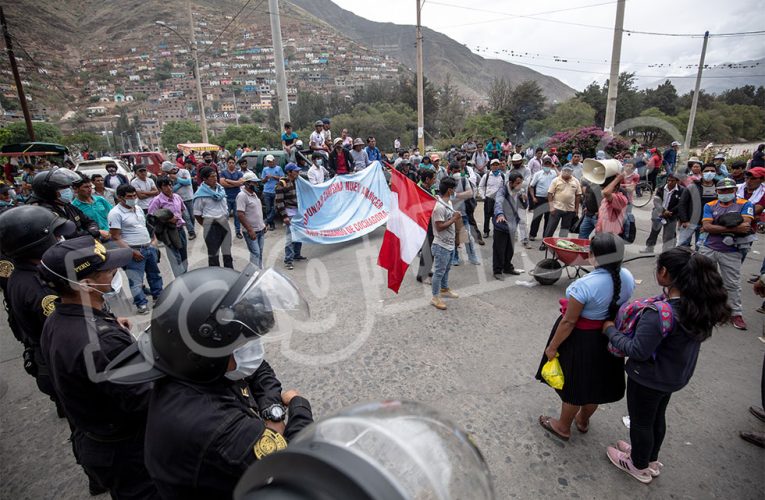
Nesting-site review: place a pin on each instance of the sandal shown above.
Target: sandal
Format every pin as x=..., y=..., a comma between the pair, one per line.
x=544, y=421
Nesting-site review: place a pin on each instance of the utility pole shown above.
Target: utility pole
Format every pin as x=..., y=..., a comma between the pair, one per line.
x=420, y=85
x=616, y=54
x=15, y=70
x=236, y=112
x=695, y=101
x=281, y=74
x=200, y=101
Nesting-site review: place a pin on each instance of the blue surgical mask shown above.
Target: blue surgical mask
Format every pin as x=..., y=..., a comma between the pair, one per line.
x=726, y=198
x=546, y=169
x=708, y=176
x=66, y=195
x=248, y=358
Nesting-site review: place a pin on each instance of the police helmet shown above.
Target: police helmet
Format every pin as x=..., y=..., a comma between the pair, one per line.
x=46, y=183
x=202, y=317
x=27, y=231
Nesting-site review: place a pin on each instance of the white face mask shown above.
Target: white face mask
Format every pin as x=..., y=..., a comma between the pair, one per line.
x=131, y=203
x=115, y=285
x=248, y=358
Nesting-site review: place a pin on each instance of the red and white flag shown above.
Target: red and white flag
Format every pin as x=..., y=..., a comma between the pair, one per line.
x=410, y=210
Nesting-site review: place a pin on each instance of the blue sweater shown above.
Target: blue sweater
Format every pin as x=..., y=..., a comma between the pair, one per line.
x=675, y=355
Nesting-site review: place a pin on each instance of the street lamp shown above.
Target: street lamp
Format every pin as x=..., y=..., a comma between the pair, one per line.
x=193, y=47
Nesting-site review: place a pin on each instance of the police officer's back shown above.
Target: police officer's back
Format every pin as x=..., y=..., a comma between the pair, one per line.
x=217, y=407
x=78, y=341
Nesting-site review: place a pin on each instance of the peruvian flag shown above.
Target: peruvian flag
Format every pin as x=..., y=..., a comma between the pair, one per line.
x=410, y=210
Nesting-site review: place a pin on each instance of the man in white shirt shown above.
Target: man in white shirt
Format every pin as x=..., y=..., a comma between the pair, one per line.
x=480, y=159
x=317, y=173
x=316, y=141
x=127, y=227
x=211, y=211
x=250, y=213
x=326, y=131
x=487, y=189
x=144, y=186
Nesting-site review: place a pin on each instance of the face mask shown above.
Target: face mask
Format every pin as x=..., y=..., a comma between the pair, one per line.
x=248, y=359
x=457, y=175
x=546, y=169
x=319, y=163
x=495, y=173
x=453, y=196
x=708, y=176
x=726, y=198
x=208, y=160
x=66, y=195
x=131, y=203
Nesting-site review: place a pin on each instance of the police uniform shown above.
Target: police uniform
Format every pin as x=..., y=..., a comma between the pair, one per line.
x=85, y=225
x=108, y=420
x=201, y=438
x=31, y=302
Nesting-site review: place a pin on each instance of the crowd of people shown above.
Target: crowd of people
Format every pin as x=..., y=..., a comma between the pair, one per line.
x=65, y=235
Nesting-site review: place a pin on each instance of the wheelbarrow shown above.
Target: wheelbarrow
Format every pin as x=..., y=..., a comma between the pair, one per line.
x=550, y=269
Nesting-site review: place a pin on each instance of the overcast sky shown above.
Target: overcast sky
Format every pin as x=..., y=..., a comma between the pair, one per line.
x=494, y=25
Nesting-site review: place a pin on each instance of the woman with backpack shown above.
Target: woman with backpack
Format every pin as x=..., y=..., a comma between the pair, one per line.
x=592, y=376
x=663, y=351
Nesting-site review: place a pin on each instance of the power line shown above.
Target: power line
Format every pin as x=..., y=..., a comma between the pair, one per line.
x=505, y=16
x=229, y=24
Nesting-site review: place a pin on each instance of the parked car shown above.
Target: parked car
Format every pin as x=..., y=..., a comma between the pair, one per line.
x=256, y=159
x=152, y=159
x=90, y=167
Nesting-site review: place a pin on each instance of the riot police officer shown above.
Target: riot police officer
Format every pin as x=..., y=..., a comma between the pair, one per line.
x=217, y=406
x=26, y=232
x=52, y=189
x=78, y=341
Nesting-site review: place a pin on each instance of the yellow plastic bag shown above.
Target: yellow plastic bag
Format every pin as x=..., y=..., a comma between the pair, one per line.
x=553, y=373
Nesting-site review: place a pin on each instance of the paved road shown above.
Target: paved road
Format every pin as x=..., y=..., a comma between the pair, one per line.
x=475, y=362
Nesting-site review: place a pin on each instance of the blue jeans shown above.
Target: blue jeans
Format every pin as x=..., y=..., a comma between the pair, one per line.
x=178, y=257
x=291, y=250
x=442, y=260
x=469, y=245
x=232, y=208
x=268, y=199
x=587, y=226
x=136, y=270
x=255, y=247
x=188, y=217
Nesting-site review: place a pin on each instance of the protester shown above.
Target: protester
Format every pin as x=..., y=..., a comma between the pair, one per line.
x=427, y=183
x=535, y=164
x=463, y=191
x=173, y=227
x=270, y=175
x=144, y=186
x=127, y=226
x=286, y=207
x=359, y=155
x=373, y=154
x=231, y=180
x=653, y=165
x=613, y=207
x=94, y=206
x=576, y=164
x=341, y=162
x=487, y=190
x=665, y=214
x=592, y=375
x=539, y=187
x=211, y=212
x=480, y=159
x=100, y=189
x=251, y=216
x=317, y=173
x=563, y=196
x=288, y=139
x=181, y=179
x=737, y=172
x=113, y=179
x=661, y=363
x=670, y=156
x=347, y=139
x=444, y=220
x=753, y=189
x=507, y=211
x=694, y=171
x=719, y=161
x=725, y=241
x=758, y=157
x=207, y=161
x=692, y=203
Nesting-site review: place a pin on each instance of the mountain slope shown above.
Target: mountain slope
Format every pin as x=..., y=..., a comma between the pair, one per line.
x=442, y=55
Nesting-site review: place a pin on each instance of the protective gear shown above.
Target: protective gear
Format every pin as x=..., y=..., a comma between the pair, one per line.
x=46, y=184
x=726, y=198
x=27, y=231
x=248, y=359
x=708, y=176
x=203, y=317
x=546, y=169
x=66, y=195
x=131, y=203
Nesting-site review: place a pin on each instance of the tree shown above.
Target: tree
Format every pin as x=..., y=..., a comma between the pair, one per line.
x=252, y=135
x=526, y=103
x=573, y=113
x=593, y=96
x=500, y=94
x=664, y=97
x=407, y=94
x=85, y=140
x=177, y=132
x=384, y=121
x=44, y=132
x=483, y=126
x=450, y=116
x=309, y=108
x=657, y=135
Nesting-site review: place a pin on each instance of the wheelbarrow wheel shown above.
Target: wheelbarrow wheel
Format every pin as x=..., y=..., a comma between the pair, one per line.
x=547, y=271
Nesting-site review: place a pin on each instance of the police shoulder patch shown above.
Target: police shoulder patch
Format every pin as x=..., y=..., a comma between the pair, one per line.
x=6, y=268
x=48, y=304
x=270, y=442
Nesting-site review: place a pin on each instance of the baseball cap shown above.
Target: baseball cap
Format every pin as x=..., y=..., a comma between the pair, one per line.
x=291, y=167
x=78, y=258
x=726, y=184
x=517, y=157
x=250, y=176
x=318, y=123
x=546, y=160
x=719, y=156
x=756, y=172
x=675, y=143
x=567, y=168
x=435, y=157
x=140, y=167
x=494, y=162
x=168, y=166
x=269, y=158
